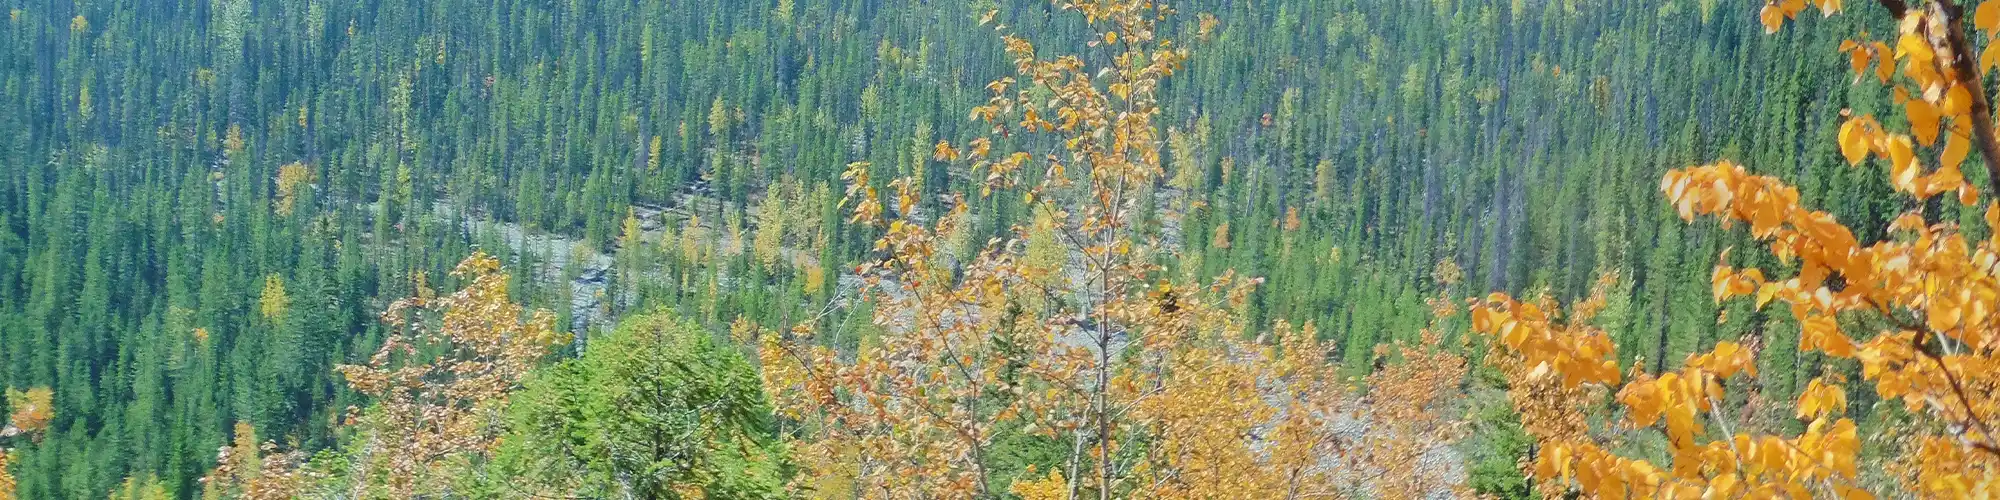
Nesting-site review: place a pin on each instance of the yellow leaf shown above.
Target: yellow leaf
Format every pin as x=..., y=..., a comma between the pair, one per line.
x=1886, y=67
x=1923, y=120
x=1858, y=59
x=945, y=151
x=1821, y=398
x=1854, y=141
x=1945, y=318
x=1957, y=102
x=1902, y=161
x=1987, y=18
x=1989, y=56
x=1853, y=493
x=1719, y=282
x=1955, y=150
x=1765, y=293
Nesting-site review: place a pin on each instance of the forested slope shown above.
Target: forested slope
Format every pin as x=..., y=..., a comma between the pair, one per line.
x=206, y=204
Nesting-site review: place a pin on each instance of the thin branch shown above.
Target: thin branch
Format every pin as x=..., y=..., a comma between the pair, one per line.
x=1958, y=389
x=1969, y=79
x=1896, y=8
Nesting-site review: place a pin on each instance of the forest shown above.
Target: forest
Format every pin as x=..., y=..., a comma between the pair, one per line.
x=999, y=249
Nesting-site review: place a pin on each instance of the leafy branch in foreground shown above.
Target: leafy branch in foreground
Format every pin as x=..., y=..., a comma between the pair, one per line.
x=1936, y=288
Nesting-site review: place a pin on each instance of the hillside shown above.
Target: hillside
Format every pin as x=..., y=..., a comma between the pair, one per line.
x=207, y=207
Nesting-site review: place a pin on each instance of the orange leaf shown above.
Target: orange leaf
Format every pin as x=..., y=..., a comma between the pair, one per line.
x=1858, y=58
x=1772, y=18
x=1923, y=120
x=1955, y=150
x=1957, y=102
x=1989, y=56
x=1987, y=18
x=1885, y=66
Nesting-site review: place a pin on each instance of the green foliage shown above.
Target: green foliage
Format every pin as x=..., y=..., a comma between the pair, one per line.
x=1497, y=448
x=655, y=409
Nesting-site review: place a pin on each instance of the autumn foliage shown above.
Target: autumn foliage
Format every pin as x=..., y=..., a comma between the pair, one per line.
x=440, y=381
x=292, y=179
x=248, y=469
x=1072, y=332
x=1931, y=283
x=32, y=411
x=1407, y=407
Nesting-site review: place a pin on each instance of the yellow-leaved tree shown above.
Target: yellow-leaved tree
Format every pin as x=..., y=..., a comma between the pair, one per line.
x=1071, y=333
x=1934, y=286
x=439, y=385
x=273, y=302
x=292, y=178
x=441, y=379
x=33, y=409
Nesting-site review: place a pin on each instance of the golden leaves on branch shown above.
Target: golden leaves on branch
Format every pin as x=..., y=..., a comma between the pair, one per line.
x=1936, y=289
x=1551, y=409
x=1679, y=398
x=1820, y=399
x=1684, y=403
x=1864, y=55
x=1821, y=460
x=1579, y=355
x=1776, y=12
x=444, y=373
x=1987, y=18
x=1930, y=272
x=1107, y=128
x=1939, y=88
x=867, y=207
x=1244, y=420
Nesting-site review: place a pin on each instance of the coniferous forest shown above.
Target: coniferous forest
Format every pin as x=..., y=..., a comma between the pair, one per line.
x=999, y=249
